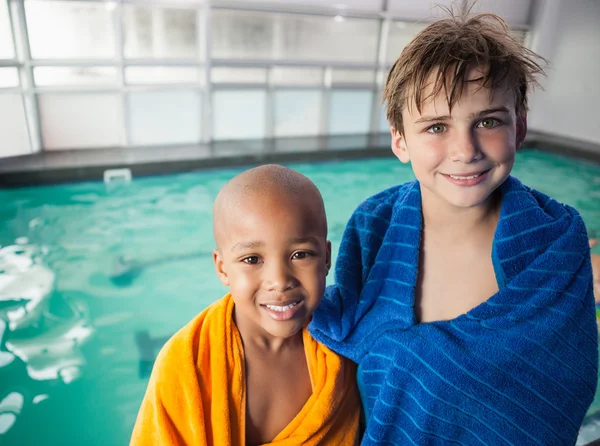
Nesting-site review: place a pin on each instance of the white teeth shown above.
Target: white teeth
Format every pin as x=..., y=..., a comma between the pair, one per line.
x=281, y=309
x=464, y=178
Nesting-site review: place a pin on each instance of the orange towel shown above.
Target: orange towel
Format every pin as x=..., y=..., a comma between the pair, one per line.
x=197, y=392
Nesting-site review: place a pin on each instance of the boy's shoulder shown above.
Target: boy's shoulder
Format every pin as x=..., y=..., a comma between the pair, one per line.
x=382, y=203
x=518, y=197
x=193, y=338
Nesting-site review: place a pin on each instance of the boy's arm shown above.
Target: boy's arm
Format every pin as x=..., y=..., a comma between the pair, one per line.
x=166, y=415
x=154, y=424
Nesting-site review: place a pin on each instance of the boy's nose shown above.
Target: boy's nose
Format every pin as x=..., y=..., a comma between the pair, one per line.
x=279, y=277
x=466, y=149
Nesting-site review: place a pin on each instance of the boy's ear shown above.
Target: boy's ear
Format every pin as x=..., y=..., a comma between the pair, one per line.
x=220, y=268
x=328, y=256
x=521, y=129
x=399, y=145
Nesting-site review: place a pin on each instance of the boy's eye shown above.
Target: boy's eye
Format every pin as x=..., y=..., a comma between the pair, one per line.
x=488, y=123
x=437, y=129
x=300, y=255
x=251, y=260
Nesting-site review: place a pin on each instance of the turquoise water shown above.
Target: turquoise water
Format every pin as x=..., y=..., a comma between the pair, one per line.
x=104, y=269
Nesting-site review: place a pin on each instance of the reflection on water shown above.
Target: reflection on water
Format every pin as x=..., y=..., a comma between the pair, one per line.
x=41, y=331
x=125, y=271
x=148, y=348
x=25, y=286
x=10, y=407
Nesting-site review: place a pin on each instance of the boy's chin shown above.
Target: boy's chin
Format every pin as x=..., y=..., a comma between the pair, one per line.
x=469, y=202
x=283, y=330
x=466, y=199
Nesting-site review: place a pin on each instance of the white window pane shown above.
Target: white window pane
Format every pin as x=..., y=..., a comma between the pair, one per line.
x=296, y=76
x=177, y=2
x=352, y=76
x=152, y=32
x=515, y=12
x=238, y=75
x=60, y=29
x=341, y=5
x=9, y=77
x=239, y=114
x=350, y=111
x=163, y=75
x=384, y=125
x=401, y=33
x=75, y=76
x=258, y=35
x=421, y=9
x=82, y=120
x=13, y=128
x=7, y=50
x=164, y=117
x=297, y=112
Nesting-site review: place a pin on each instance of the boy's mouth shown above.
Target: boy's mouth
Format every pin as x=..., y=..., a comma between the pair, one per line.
x=284, y=311
x=280, y=308
x=468, y=179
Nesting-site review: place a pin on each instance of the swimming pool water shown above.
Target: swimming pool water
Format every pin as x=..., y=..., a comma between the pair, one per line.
x=117, y=269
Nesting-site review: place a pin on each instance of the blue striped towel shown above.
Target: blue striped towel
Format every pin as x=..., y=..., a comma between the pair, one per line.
x=518, y=369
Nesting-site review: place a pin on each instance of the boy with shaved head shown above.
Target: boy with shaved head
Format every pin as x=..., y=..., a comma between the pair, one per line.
x=246, y=370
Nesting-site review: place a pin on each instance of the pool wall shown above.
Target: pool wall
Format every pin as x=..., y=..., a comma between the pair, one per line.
x=75, y=165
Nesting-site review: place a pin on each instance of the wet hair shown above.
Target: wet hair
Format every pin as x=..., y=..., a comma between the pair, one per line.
x=447, y=50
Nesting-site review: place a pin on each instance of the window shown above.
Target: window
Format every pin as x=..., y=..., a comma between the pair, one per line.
x=75, y=76
x=239, y=114
x=350, y=111
x=152, y=32
x=254, y=35
x=13, y=127
x=352, y=76
x=164, y=117
x=340, y=5
x=9, y=77
x=7, y=50
x=297, y=112
x=238, y=75
x=69, y=30
x=296, y=76
x=80, y=120
x=163, y=75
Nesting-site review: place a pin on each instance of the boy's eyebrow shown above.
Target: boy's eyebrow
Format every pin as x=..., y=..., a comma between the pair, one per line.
x=432, y=119
x=247, y=245
x=487, y=111
x=254, y=244
x=308, y=239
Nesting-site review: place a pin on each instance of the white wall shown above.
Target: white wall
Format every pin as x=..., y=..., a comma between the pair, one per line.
x=13, y=127
x=567, y=32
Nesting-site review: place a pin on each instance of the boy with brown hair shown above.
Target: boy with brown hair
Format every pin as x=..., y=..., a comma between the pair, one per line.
x=464, y=296
x=246, y=370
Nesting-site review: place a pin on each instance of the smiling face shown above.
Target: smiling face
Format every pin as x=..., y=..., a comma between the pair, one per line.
x=461, y=156
x=274, y=256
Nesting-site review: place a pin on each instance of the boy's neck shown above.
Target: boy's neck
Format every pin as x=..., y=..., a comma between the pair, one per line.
x=256, y=337
x=454, y=221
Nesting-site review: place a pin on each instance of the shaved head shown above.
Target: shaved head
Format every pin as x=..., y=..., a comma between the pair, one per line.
x=267, y=183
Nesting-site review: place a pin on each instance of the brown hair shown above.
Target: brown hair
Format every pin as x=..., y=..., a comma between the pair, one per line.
x=449, y=48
